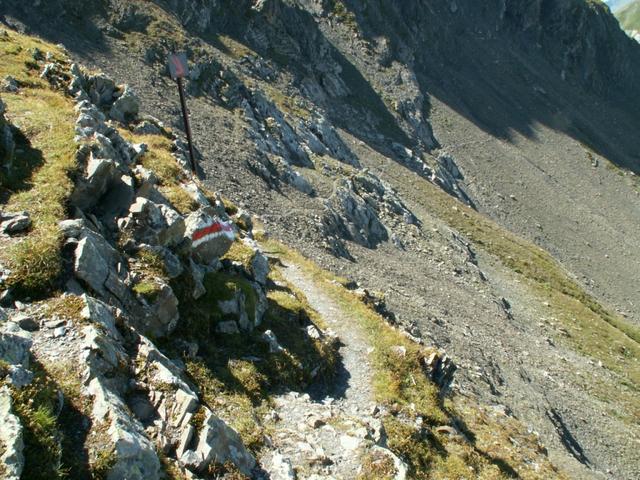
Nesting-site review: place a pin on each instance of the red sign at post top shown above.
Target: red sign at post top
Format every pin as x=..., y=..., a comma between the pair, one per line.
x=178, y=66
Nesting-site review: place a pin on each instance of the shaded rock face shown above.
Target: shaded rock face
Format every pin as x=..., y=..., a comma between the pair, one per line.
x=7, y=143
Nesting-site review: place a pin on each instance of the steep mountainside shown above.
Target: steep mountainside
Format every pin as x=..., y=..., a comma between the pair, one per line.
x=475, y=162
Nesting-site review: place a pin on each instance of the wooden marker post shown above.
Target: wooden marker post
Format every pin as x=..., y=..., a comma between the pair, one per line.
x=179, y=68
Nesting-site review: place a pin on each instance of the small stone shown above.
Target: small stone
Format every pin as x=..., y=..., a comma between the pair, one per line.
x=315, y=422
x=9, y=84
x=26, y=322
x=399, y=350
x=16, y=223
x=59, y=332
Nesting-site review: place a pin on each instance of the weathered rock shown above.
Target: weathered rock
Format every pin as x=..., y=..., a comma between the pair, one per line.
x=100, y=174
x=100, y=89
x=270, y=338
x=147, y=127
x=14, y=223
x=126, y=107
x=172, y=265
x=449, y=176
x=101, y=268
x=26, y=322
x=440, y=369
x=197, y=275
x=154, y=224
x=9, y=84
x=349, y=216
x=169, y=397
x=99, y=313
x=135, y=455
x=280, y=468
x=228, y=327
x=162, y=312
x=211, y=236
x=259, y=263
x=218, y=443
x=11, y=441
x=195, y=193
x=15, y=345
x=236, y=306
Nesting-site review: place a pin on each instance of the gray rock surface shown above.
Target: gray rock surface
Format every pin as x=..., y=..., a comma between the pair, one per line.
x=220, y=443
x=11, y=440
x=126, y=107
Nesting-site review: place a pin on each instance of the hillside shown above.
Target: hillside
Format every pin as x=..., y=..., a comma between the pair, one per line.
x=629, y=16
x=420, y=262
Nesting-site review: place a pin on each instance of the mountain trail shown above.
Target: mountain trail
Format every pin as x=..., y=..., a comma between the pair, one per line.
x=327, y=434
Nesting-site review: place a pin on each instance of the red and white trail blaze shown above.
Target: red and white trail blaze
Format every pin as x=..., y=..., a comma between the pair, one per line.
x=212, y=231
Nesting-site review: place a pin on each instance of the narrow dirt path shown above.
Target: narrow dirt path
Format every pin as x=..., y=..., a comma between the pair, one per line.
x=353, y=384
x=327, y=438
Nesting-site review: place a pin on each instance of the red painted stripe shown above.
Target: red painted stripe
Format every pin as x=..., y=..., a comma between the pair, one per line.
x=214, y=228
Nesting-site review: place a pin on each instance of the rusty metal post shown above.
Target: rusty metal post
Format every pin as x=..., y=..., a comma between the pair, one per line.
x=187, y=124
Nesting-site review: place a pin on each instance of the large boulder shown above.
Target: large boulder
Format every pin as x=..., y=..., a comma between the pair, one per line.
x=210, y=235
x=11, y=441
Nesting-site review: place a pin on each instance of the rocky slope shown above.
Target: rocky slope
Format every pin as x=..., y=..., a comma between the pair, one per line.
x=629, y=16
x=340, y=124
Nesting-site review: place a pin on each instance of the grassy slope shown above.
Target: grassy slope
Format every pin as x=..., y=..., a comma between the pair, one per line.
x=40, y=182
x=629, y=16
x=593, y=330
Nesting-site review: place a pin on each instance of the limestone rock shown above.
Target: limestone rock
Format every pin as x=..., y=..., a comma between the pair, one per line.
x=15, y=345
x=11, y=441
x=9, y=84
x=135, y=455
x=169, y=396
x=100, y=174
x=102, y=268
x=125, y=109
x=162, y=313
x=218, y=443
x=211, y=236
x=152, y=223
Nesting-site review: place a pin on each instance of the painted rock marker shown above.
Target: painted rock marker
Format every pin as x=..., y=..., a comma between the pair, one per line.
x=212, y=231
x=211, y=236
